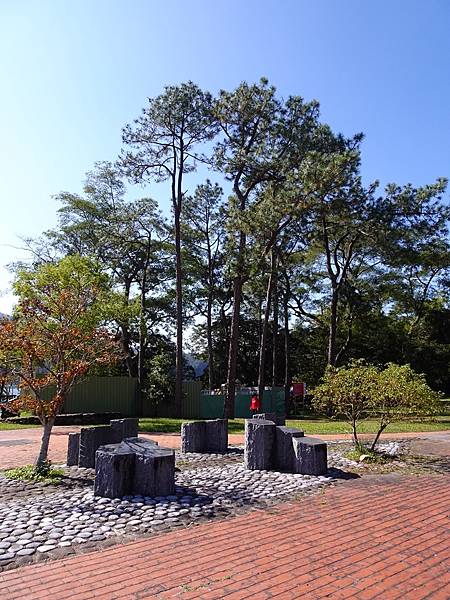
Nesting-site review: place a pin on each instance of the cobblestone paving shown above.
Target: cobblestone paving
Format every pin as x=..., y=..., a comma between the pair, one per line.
x=52, y=521
x=40, y=521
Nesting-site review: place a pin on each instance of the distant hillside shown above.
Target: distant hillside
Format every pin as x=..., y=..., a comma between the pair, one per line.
x=199, y=366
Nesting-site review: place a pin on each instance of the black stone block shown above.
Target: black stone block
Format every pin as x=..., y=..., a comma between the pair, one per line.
x=121, y=429
x=73, y=449
x=284, y=448
x=259, y=444
x=114, y=468
x=310, y=456
x=193, y=436
x=91, y=438
x=277, y=419
x=216, y=436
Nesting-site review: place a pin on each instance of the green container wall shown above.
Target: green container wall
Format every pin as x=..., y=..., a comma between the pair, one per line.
x=120, y=394
x=190, y=404
x=103, y=394
x=211, y=406
x=191, y=399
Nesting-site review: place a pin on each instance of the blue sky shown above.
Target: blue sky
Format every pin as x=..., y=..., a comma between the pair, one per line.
x=73, y=73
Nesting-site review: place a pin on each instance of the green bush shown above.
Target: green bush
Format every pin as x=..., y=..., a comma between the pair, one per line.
x=358, y=391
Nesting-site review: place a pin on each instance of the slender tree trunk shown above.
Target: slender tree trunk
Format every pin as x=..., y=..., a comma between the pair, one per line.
x=265, y=328
x=125, y=339
x=377, y=437
x=275, y=324
x=142, y=331
x=233, y=348
x=354, y=433
x=287, y=374
x=45, y=440
x=332, y=335
x=179, y=316
x=260, y=303
x=210, y=343
x=234, y=333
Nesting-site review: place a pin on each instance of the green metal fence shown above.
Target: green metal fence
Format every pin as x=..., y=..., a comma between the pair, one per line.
x=102, y=395
x=120, y=394
x=211, y=406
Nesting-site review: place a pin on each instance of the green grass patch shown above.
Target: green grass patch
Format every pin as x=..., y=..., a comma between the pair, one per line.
x=315, y=425
x=7, y=426
x=369, y=455
x=329, y=426
x=46, y=474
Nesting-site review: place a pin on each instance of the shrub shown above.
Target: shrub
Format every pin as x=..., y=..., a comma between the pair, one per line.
x=359, y=390
x=348, y=392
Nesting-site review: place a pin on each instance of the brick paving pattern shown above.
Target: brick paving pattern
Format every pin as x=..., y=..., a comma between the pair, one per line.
x=383, y=537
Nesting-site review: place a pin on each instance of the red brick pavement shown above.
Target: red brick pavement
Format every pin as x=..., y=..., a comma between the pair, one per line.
x=384, y=538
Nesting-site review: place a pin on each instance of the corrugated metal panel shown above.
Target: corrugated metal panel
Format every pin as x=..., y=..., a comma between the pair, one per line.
x=190, y=404
x=191, y=399
x=212, y=405
x=120, y=394
x=104, y=394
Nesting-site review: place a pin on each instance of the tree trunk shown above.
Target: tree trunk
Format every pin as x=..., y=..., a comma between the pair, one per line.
x=233, y=348
x=377, y=437
x=287, y=377
x=333, y=328
x=142, y=330
x=125, y=338
x=43, y=451
x=275, y=324
x=228, y=408
x=210, y=343
x=179, y=316
x=355, y=433
x=265, y=328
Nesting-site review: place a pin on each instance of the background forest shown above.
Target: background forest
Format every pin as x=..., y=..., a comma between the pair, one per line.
x=278, y=261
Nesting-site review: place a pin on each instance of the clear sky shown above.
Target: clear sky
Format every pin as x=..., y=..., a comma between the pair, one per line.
x=74, y=72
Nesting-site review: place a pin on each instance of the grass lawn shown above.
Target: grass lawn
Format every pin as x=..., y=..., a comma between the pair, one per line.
x=5, y=426
x=309, y=425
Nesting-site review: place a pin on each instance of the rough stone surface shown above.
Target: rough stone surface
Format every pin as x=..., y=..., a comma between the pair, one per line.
x=310, y=456
x=216, y=436
x=193, y=436
x=284, y=448
x=259, y=444
x=73, y=449
x=154, y=469
x=135, y=466
x=113, y=471
x=90, y=441
x=271, y=416
x=268, y=416
x=121, y=429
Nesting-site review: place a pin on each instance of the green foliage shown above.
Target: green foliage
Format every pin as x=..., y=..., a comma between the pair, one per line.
x=347, y=391
x=160, y=382
x=358, y=391
x=369, y=455
x=44, y=473
x=403, y=393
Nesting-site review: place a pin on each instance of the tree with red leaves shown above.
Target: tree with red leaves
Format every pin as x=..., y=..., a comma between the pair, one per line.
x=56, y=335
